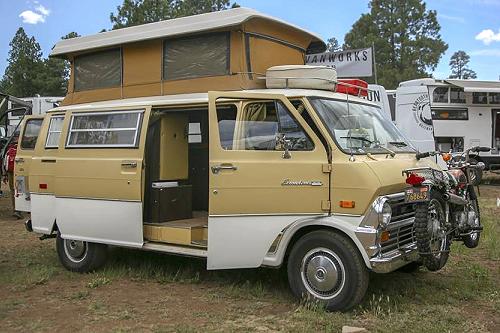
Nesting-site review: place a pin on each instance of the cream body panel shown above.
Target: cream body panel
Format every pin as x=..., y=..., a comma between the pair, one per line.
x=43, y=215
x=243, y=241
x=100, y=221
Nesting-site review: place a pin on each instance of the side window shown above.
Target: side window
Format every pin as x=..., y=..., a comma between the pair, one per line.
x=54, y=134
x=440, y=95
x=256, y=126
x=100, y=130
x=30, y=135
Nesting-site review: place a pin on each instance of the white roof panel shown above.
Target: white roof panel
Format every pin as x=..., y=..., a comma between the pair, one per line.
x=167, y=28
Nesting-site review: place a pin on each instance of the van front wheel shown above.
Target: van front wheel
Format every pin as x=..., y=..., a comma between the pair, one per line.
x=80, y=256
x=326, y=268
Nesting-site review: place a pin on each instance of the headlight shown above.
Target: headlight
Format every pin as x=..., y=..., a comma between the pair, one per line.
x=385, y=215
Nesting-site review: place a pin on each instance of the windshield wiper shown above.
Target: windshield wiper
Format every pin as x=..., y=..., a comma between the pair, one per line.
x=377, y=145
x=398, y=143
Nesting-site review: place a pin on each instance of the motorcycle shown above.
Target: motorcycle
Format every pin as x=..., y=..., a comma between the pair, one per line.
x=446, y=205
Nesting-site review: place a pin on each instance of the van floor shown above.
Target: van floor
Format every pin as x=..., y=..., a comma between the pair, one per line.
x=191, y=232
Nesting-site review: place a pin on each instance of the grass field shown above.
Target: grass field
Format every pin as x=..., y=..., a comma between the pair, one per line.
x=141, y=291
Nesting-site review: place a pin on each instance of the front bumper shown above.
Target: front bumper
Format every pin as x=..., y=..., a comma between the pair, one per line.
x=401, y=248
x=396, y=259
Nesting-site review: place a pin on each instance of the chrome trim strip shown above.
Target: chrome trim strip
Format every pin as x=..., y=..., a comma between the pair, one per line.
x=87, y=198
x=275, y=214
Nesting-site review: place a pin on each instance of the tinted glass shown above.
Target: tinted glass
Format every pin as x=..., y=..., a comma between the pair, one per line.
x=494, y=98
x=457, y=95
x=440, y=95
x=450, y=114
x=31, y=132
x=479, y=98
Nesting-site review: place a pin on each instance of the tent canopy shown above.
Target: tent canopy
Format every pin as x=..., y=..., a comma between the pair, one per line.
x=477, y=86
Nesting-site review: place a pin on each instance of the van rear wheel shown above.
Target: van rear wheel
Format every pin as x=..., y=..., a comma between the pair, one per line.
x=80, y=256
x=326, y=268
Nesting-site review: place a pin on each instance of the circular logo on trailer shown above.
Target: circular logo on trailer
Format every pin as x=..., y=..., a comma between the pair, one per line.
x=422, y=112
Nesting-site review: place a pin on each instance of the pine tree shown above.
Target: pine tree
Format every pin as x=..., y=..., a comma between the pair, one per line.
x=55, y=74
x=406, y=36
x=459, y=62
x=332, y=45
x=135, y=12
x=24, y=66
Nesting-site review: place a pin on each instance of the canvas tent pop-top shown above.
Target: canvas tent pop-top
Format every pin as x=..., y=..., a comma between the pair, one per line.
x=225, y=50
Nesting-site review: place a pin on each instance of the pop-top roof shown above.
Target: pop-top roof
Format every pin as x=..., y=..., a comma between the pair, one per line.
x=476, y=85
x=168, y=28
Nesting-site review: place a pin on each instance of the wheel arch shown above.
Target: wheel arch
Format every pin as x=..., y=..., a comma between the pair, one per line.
x=295, y=231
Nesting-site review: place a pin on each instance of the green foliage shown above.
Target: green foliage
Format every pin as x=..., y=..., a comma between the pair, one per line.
x=24, y=66
x=459, y=62
x=406, y=36
x=28, y=74
x=332, y=45
x=135, y=12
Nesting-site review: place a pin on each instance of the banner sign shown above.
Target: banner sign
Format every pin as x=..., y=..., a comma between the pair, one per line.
x=349, y=63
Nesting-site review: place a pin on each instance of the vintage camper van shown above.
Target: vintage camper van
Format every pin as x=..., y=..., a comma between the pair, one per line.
x=207, y=136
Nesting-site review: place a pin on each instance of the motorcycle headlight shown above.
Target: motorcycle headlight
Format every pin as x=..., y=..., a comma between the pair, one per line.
x=385, y=215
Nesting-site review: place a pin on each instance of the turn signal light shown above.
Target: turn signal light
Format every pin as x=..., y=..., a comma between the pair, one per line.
x=414, y=180
x=347, y=204
x=446, y=157
x=384, y=236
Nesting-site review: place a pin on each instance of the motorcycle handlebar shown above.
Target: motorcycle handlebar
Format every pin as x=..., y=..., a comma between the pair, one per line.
x=480, y=149
x=423, y=155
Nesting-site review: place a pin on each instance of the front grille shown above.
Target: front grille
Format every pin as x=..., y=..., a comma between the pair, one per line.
x=402, y=226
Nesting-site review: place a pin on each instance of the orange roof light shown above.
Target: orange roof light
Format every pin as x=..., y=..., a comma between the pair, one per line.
x=347, y=204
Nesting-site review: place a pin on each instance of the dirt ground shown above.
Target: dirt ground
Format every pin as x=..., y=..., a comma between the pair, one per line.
x=147, y=292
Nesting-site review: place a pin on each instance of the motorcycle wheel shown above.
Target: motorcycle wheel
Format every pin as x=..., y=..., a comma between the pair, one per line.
x=472, y=240
x=433, y=243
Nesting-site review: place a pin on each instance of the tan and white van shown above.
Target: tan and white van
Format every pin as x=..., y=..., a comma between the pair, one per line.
x=288, y=173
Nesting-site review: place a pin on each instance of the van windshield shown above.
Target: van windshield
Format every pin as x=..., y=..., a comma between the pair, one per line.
x=359, y=128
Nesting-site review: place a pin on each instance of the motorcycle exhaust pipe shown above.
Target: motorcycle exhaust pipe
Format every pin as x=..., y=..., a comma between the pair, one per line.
x=455, y=199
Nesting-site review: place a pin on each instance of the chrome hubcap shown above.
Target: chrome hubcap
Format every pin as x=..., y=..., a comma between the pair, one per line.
x=322, y=273
x=75, y=250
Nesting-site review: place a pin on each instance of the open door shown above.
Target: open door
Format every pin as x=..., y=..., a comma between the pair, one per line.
x=267, y=170
x=24, y=156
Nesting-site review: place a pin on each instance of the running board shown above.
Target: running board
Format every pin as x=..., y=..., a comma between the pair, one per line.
x=173, y=249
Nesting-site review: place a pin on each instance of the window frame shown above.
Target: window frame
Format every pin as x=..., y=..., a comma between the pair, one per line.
x=226, y=34
x=21, y=146
x=137, y=130
x=449, y=110
x=49, y=132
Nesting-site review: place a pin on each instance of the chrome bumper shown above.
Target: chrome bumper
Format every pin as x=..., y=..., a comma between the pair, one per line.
x=398, y=251
x=393, y=260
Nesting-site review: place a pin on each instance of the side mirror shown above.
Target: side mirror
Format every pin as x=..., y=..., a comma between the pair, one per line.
x=282, y=143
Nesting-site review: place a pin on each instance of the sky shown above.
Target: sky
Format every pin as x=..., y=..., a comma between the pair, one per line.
x=469, y=25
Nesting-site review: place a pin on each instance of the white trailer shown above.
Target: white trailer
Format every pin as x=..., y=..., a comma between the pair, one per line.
x=450, y=115
x=39, y=105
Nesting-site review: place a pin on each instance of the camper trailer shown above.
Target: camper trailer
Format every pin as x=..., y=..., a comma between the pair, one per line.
x=39, y=106
x=207, y=136
x=451, y=116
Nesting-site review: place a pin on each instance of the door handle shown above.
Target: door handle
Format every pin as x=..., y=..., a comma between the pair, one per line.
x=19, y=160
x=129, y=164
x=48, y=160
x=217, y=168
